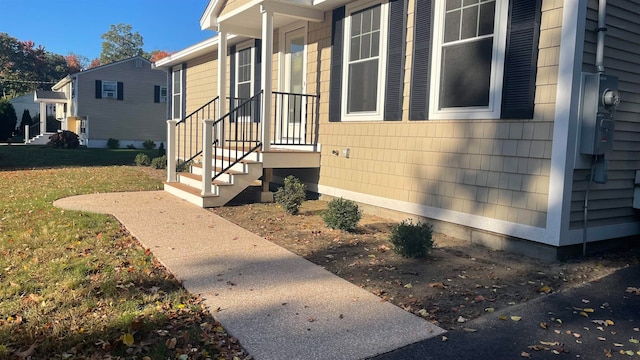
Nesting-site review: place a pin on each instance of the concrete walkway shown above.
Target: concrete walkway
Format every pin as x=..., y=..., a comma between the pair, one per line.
x=279, y=305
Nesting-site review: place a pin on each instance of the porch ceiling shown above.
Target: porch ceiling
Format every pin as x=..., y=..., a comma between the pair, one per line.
x=49, y=97
x=247, y=19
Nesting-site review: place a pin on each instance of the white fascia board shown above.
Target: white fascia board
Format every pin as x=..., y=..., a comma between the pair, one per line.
x=522, y=231
x=61, y=83
x=208, y=20
x=192, y=52
x=565, y=122
x=292, y=9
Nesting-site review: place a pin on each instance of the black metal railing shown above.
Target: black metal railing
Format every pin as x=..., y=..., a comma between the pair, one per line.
x=189, y=132
x=237, y=134
x=295, y=119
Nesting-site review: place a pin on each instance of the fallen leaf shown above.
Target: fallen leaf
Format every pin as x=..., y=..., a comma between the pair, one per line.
x=609, y=322
x=588, y=310
x=27, y=353
x=461, y=319
x=633, y=290
x=479, y=298
x=444, y=339
x=629, y=352
x=545, y=289
x=617, y=345
x=550, y=343
x=544, y=325
x=469, y=329
x=525, y=354
x=171, y=343
x=601, y=338
x=516, y=318
x=408, y=286
x=576, y=335
x=127, y=339
x=503, y=317
x=423, y=312
x=582, y=313
x=437, y=285
x=489, y=310
x=635, y=341
x=607, y=353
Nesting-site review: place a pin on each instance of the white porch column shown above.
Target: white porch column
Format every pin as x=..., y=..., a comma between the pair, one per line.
x=222, y=72
x=43, y=118
x=222, y=81
x=207, y=139
x=266, y=76
x=171, y=150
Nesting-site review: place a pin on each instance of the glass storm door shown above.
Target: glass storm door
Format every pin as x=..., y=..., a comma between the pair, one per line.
x=294, y=105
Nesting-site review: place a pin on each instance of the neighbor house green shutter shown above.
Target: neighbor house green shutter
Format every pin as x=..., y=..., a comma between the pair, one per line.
x=98, y=89
x=156, y=94
x=120, y=91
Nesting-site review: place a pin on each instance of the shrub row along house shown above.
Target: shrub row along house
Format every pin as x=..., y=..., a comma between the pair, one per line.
x=488, y=117
x=124, y=100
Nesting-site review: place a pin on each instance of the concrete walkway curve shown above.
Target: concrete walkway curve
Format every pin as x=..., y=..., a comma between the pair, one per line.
x=278, y=305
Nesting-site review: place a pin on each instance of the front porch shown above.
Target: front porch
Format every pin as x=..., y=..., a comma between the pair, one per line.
x=236, y=157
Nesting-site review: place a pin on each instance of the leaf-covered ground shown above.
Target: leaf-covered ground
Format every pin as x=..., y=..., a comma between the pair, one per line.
x=79, y=286
x=457, y=282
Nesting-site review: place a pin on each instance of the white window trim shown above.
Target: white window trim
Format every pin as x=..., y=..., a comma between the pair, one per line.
x=497, y=68
x=176, y=69
x=105, y=93
x=377, y=115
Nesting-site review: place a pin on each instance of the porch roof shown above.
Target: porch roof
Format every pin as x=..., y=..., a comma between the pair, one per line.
x=246, y=20
x=194, y=51
x=43, y=96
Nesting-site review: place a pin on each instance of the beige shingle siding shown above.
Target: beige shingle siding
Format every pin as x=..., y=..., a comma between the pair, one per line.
x=611, y=203
x=493, y=168
x=136, y=117
x=232, y=5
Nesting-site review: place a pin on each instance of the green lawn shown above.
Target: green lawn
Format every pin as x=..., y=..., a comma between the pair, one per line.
x=73, y=284
x=26, y=157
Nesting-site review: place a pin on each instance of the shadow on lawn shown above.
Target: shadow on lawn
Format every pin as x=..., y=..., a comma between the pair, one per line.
x=30, y=157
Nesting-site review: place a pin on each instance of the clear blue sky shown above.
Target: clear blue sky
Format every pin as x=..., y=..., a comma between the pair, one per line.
x=64, y=26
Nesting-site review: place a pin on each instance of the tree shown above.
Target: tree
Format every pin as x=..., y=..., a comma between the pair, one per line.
x=25, y=67
x=94, y=63
x=26, y=119
x=120, y=43
x=8, y=119
x=76, y=63
x=158, y=54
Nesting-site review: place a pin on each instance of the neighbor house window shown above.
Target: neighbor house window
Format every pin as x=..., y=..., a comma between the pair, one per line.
x=109, y=89
x=163, y=94
x=469, y=46
x=176, y=104
x=364, y=61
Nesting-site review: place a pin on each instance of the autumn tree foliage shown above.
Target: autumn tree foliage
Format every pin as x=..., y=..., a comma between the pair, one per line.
x=158, y=54
x=94, y=63
x=25, y=66
x=76, y=63
x=120, y=43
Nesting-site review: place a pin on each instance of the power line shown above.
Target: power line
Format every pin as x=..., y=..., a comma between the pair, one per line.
x=28, y=81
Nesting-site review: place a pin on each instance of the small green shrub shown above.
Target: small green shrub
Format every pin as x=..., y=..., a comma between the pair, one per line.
x=159, y=162
x=185, y=166
x=64, y=140
x=161, y=150
x=113, y=143
x=149, y=144
x=291, y=195
x=142, y=159
x=411, y=240
x=131, y=146
x=342, y=214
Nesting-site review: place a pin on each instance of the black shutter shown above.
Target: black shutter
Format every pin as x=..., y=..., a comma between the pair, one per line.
x=395, y=59
x=120, y=91
x=98, y=89
x=156, y=94
x=183, y=89
x=523, y=32
x=257, y=82
x=335, y=82
x=420, y=77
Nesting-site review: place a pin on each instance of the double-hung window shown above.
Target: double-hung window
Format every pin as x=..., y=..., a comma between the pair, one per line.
x=469, y=47
x=364, y=61
x=176, y=90
x=244, y=81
